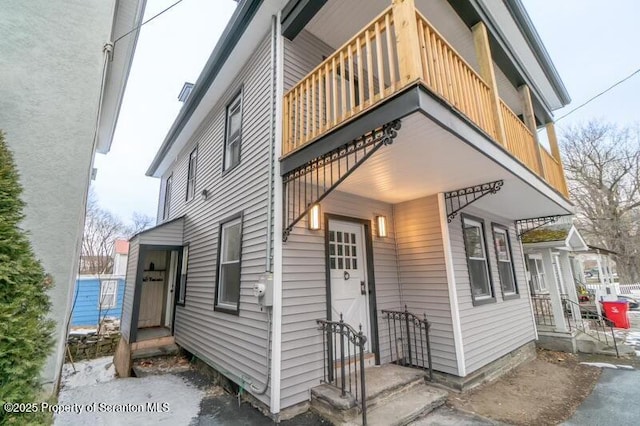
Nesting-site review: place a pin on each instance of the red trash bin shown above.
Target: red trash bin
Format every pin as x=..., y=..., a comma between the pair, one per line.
x=616, y=311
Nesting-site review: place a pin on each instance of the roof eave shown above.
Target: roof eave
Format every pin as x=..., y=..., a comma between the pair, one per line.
x=228, y=40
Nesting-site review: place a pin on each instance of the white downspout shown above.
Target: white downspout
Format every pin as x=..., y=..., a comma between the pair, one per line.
x=276, y=342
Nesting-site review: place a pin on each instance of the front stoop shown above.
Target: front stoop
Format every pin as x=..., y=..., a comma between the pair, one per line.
x=395, y=396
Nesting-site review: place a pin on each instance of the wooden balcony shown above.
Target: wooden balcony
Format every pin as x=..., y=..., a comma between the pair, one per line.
x=398, y=49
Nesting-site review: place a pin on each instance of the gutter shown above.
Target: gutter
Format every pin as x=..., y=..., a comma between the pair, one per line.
x=522, y=19
x=236, y=27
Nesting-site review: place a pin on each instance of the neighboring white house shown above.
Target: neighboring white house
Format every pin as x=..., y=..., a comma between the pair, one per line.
x=62, y=80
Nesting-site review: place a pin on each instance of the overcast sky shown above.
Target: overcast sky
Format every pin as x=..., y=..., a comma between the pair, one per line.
x=593, y=44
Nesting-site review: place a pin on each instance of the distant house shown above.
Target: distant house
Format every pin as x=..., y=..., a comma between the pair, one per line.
x=99, y=296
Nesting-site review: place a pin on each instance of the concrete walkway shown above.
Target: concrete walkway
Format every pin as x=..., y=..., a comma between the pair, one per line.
x=614, y=400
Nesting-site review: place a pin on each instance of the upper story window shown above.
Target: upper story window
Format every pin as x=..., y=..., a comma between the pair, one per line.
x=233, y=135
x=108, y=294
x=504, y=256
x=191, y=174
x=167, y=197
x=477, y=260
x=229, y=248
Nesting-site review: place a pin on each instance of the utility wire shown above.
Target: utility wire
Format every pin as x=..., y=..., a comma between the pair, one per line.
x=599, y=94
x=145, y=22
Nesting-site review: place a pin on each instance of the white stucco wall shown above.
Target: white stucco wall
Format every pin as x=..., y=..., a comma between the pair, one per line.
x=50, y=71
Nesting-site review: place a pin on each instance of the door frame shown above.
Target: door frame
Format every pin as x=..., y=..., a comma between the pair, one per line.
x=143, y=250
x=371, y=282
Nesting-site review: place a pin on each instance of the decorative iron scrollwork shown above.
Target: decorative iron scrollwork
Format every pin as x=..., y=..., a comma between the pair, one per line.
x=311, y=182
x=525, y=225
x=461, y=198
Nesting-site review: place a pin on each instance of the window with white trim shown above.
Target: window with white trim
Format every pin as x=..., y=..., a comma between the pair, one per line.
x=182, y=286
x=167, y=197
x=108, y=294
x=191, y=174
x=233, y=135
x=229, y=248
x=536, y=270
x=505, y=262
x=477, y=261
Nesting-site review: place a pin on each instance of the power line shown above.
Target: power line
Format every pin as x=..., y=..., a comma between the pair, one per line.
x=145, y=22
x=599, y=94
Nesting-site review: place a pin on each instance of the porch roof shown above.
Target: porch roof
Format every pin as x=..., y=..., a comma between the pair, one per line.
x=562, y=236
x=169, y=233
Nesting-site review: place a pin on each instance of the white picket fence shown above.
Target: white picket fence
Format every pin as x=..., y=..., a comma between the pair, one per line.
x=631, y=289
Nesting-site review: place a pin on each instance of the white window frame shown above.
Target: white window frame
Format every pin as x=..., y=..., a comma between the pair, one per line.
x=108, y=296
x=167, y=197
x=225, y=306
x=234, y=107
x=479, y=223
x=191, y=174
x=539, y=282
x=182, y=285
x=502, y=230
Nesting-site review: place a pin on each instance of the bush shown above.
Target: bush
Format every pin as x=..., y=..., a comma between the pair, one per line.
x=25, y=331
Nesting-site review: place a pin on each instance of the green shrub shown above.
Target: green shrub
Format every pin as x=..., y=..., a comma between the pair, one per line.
x=25, y=331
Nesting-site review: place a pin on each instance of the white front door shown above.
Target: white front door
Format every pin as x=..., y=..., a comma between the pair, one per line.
x=349, y=286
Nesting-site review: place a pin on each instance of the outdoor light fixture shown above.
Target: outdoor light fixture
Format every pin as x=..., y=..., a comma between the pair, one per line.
x=314, y=217
x=382, y=226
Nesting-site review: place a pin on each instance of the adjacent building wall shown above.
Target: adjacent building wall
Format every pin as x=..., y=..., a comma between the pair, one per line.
x=86, y=301
x=492, y=330
x=50, y=68
x=236, y=345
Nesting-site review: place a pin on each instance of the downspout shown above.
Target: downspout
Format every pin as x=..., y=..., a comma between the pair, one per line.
x=268, y=267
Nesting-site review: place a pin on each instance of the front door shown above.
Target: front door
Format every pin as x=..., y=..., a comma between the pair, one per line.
x=349, y=286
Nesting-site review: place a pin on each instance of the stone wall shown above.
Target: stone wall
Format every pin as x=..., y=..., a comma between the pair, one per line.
x=90, y=345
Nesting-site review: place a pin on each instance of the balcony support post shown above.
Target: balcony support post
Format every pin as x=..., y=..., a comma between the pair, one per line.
x=555, y=152
x=483, y=52
x=407, y=42
x=530, y=122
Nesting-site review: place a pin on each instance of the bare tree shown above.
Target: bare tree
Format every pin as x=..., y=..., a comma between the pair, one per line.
x=602, y=163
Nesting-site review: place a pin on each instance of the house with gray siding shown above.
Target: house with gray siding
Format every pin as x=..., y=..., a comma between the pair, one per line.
x=62, y=81
x=339, y=170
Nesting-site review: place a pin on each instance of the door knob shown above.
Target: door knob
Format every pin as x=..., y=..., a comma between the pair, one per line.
x=363, y=288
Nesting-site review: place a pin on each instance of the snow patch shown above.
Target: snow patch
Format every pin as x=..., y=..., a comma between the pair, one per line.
x=88, y=372
x=600, y=365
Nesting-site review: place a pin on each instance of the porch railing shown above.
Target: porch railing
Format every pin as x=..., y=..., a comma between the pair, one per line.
x=388, y=55
x=553, y=172
x=343, y=364
x=588, y=321
x=409, y=342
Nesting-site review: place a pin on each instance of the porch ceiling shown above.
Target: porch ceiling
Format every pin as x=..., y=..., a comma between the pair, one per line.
x=425, y=159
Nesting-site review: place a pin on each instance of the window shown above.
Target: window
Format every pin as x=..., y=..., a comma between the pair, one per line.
x=167, y=197
x=229, y=247
x=108, y=294
x=537, y=275
x=475, y=245
x=182, y=286
x=506, y=271
x=191, y=174
x=233, y=136
x=342, y=250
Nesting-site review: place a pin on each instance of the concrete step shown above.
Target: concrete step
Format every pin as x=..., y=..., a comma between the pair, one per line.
x=392, y=392
x=405, y=406
x=151, y=352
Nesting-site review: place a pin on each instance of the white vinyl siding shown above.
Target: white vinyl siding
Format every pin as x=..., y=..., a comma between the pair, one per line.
x=491, y=330
x=233, y=344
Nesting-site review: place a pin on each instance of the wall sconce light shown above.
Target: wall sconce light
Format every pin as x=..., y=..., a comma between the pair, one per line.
x=314, y=217
x=382, y=226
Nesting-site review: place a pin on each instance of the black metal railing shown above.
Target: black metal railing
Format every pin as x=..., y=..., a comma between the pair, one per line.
x=343, y=365
x=543, y=309
x=409, y=336
x=590, y=320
